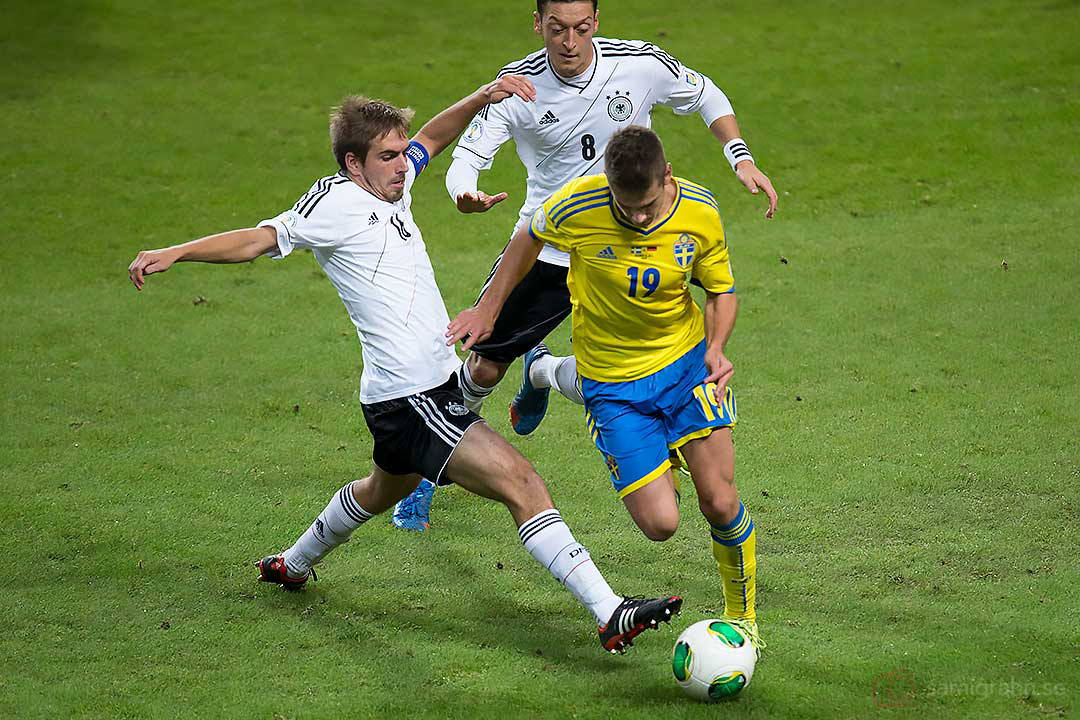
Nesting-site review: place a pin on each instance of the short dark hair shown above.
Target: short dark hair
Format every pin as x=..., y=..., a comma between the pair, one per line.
x=541, y=4
x=359, y=121
x=634, y=160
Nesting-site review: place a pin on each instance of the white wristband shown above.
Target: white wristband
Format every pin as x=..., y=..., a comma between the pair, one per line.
x=735, y=151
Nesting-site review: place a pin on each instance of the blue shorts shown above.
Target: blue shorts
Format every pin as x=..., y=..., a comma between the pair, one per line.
x=635, y=424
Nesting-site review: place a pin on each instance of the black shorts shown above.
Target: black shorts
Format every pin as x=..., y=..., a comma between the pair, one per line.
x=418, y=433
x=534, y=308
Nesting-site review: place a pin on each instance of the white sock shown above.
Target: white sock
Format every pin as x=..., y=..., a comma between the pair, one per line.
x=332, y=528
x=474, y=393
x=559, y=373
x=548, y=539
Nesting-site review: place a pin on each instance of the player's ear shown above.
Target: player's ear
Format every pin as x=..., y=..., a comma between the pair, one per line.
x=353, y=164
x=596, y=20
x=536, y=23
x=667, y=174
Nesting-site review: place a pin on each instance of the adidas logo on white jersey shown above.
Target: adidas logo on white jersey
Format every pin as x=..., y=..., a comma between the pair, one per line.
x=549, y=118
x=373, y=219
x=607, y=253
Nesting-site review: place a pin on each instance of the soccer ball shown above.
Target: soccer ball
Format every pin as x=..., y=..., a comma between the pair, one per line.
x=713, y=660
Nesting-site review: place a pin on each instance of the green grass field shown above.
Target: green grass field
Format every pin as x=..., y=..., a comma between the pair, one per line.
x=906, y=366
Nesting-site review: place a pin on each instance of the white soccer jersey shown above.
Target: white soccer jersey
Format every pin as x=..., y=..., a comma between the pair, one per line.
x=374, y=254
x=562, y=135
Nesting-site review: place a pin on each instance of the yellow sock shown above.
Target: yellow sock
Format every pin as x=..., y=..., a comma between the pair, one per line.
x=734, y=547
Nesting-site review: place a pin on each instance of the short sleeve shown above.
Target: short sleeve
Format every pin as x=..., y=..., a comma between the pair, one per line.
x=687, y=91
x=295, y=230
x=489, y=129
x=712, y=266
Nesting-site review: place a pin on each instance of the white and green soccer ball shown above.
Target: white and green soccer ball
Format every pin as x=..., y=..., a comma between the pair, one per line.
x=713, y=660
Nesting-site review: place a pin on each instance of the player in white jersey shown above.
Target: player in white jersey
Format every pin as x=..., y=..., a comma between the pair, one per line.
x=587, y=88
x=358, y=223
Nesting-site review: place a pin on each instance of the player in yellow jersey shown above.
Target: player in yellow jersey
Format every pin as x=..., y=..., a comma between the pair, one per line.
x=652, y=367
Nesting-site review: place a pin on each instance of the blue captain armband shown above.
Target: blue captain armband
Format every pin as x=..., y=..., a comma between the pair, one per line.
x=418, y=156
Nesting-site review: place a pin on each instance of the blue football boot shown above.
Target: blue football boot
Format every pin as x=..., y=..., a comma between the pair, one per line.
x=414, y=512
x=530, y=404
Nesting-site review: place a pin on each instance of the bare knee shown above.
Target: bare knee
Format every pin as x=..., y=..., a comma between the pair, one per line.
x=659, y=528
x=720, y=508
x=660, y=534
x=484, y=372
x=380, y=491
x=654, y=509
x=524, y=491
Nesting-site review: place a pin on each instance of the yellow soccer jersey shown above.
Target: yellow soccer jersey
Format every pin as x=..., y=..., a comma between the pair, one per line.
x=632, y=309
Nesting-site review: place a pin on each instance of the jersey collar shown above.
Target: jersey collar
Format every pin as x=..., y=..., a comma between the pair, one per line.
x=630, y=226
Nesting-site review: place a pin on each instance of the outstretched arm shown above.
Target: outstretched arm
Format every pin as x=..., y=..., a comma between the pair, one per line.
x=475, y=324
x=443, y=129
x=229, y=247
x=720, y=312
x=725, y=128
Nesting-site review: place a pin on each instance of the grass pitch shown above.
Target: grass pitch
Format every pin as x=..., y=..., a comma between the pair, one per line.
x=905, y=364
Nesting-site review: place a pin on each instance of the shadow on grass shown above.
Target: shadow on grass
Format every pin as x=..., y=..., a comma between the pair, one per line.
x=561, y=636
